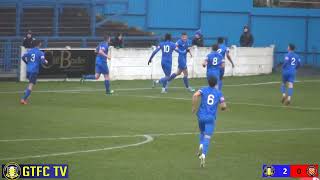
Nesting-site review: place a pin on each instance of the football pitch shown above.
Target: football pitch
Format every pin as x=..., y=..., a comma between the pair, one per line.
x=138, y=133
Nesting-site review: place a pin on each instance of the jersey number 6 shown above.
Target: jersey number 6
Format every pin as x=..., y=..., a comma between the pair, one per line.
x=210, y=99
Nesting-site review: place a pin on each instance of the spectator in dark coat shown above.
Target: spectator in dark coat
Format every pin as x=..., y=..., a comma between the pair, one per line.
x=198, y=39
x=246, y=39
x=118, y=41
x=28, y=40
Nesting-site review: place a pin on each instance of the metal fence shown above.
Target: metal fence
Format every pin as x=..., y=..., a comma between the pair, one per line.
x=9, y=58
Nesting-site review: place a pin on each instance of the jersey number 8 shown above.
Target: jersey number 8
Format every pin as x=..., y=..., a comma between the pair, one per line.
x=210, y=99
x=215, y=61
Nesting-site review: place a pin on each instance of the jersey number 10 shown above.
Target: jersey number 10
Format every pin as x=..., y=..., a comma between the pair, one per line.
x=166, y=48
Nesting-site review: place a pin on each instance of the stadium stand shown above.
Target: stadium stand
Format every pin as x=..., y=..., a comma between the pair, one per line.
x=39, y=20
x=74, y=22
x=7, y=21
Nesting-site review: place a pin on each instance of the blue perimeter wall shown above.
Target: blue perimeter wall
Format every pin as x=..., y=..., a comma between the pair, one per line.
x=226, y=18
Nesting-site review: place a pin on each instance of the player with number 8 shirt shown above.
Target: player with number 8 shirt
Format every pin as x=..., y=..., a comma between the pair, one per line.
x=214, y=62
x=211, y=98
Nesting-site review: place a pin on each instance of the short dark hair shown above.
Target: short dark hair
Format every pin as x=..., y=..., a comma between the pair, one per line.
x=36, y=43
x=292, y=47
x=167, y=37
x=220, y=40
x=212, y=81
x=215, y=47
x=183, y=33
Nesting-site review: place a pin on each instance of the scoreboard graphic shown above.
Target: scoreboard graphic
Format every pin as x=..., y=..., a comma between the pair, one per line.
x=290, y=171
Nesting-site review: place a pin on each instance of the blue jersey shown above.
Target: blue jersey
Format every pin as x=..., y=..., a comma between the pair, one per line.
x=34, y=58
x=210, y=99
x=292, y=62
x=167, y=47
x=183, y=46
x=104, y=46
x=214, y=60
x=223, y=49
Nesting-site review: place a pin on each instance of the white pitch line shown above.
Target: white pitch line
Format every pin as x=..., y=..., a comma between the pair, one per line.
x=160, y=134
x=148, y=139
x=137, y=89
x=230, y=102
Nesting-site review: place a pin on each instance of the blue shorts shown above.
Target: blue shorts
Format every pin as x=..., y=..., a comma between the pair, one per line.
x=182, y=62
x=102, y=68
x=221, y=73
x=288, y=77
x=32, y=77
x=206, y=127
x=166, y=69
x=215, y=74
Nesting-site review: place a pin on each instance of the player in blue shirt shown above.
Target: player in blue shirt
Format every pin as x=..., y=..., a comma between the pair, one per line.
x=184, y=45
x=34, y=58
x=213, y=62
x=211, y=98
x=225, y=52
x=101, y=64
x=291, y=63
x=166, y=47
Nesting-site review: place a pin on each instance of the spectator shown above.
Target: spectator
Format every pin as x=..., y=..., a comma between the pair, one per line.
x=28, y=40
x=118, y=41
x=198, y=39
x=246, y=39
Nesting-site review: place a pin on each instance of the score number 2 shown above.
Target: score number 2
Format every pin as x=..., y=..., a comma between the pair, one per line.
x=285, y=171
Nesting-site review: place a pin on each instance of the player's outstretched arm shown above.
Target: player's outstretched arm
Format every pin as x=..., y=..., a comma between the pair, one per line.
x=230, y=59
x=223, y=106
x=189, y=51
x=153, y=54
x=102, y=53
x=24, y=58
x=205, y=63
x=179, y=51
x=195, y=100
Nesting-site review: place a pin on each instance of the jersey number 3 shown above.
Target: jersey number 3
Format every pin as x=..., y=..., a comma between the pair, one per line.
x=33, y=57
x=210, y=100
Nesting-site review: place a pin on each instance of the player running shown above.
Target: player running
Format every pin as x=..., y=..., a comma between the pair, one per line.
x=225, y=52
x=167, y=47
x=210, y=99
x=183, y=45
x=101, y=65
x=33, y=58
x=291, y=63
x=213, y=62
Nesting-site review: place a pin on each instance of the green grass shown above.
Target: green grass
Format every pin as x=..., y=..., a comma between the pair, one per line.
x=133, y=112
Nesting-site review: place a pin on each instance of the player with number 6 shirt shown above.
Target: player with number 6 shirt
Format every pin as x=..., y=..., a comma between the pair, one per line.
x=211, y=98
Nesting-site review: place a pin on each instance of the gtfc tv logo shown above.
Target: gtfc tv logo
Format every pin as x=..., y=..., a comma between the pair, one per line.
x=12, y=171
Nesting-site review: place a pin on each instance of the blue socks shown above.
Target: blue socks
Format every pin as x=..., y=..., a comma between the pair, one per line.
x=290, y=91
x=283, y=89
x=27, y=93
x=206, y=142
x=174, y=75
x=201, y=137
x=186, y=81
x=220, y=85
x=89, y=77
x=164, y=81
x=107, y=85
